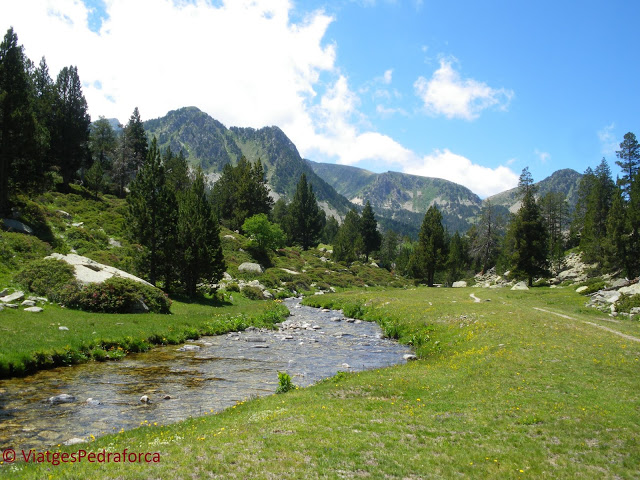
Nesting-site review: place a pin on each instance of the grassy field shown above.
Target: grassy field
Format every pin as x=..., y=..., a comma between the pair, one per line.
x=501, y=390
x=29, y=341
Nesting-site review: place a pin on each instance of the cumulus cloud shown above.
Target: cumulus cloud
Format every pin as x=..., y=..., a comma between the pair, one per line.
x=608, y=142
x=481, y=180
x=446, y=93
x=542, y=156
x=244, y=61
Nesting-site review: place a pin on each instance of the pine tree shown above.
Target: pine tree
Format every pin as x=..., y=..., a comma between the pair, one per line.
x=389, y=249
x=599, y=192
x=554, y=211
x=20, y=142
x=305, y=221
x=152, y=211
x=431, y=242
x=241, y=192
x=200, y=250
x=486, y=241
x=371, y=237
x=348, y=243
x=95, y=178
x=529, y=234
x=629, y=155
x=617, y=241
x=329, y=231
x=70, y=138
x=457, y=260
x=176, y=171
x=136, y=141
x=102, y=142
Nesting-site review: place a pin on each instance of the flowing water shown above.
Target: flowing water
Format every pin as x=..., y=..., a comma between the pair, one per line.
x=210, y=374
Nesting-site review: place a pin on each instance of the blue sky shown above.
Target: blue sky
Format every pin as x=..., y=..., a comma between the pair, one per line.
x=469, y=91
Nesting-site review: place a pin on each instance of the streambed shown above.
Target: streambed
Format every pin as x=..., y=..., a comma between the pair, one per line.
x=207, y=375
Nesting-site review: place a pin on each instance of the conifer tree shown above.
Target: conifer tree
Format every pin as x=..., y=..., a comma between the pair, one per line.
x=305, y=221
x=431, y=241
x=136, y=141
x=371, y=237
x=348, y=243
x=529, y=233
x=617, y=241
x=389, y=249
x=200, y=250
x=70, y=136
x=486, y=241
x=20, y=139
x=629, y=155
x=152, y=211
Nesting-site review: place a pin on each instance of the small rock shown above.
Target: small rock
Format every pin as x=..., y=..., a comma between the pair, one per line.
x=260, y=346
x=167, y=397
x=255, y=339
x=4, y=292
x=14, y=297
x=144, y=399
x=189, y=348
x=635, y=310
x=335, y=319
x=251, y=267
x=520, y=286
x=63, y=328
x=34, y=309
x=63, y=214
x=16, y=226
x=62, y=398
x=409, y=356
x=316, y=327
x=93, y=402
x=11, y=305
x=77, y=224
x=28, y=303
x=460, y=284
x=114, y=243
x=345, y=365
x=74, y=441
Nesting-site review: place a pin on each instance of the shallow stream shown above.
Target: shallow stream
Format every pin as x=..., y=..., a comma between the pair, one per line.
x=207, y=375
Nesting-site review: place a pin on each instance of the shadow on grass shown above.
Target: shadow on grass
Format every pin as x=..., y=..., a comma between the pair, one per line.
x=201, y=300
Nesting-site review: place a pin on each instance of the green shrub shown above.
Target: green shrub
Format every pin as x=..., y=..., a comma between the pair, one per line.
x=252, y=293
x=593, y=285
x=284, y=383
x=232, y=287
x=118, y=295
x=627, y=302
x=48, y=277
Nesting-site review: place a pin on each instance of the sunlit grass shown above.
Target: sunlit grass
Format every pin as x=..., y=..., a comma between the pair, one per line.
x=511, y=392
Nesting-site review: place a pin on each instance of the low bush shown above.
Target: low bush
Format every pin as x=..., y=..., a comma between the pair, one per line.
x=627, y=302
x=48, y=277
x=593, y=285
x=118, y=295
x=252, y=293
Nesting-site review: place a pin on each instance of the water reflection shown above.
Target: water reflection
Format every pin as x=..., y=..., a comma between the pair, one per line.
x=225, y=369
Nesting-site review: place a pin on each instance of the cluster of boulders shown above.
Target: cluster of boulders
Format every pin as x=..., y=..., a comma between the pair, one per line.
x=30, y=304
x=607, y=299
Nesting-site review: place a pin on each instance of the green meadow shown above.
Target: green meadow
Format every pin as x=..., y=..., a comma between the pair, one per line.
x=501, y=389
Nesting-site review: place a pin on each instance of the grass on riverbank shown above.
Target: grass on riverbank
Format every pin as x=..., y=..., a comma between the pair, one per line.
x=512, y=392
x=30, y=342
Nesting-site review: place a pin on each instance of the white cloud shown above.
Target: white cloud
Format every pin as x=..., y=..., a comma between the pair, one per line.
x=542, y=156
x=449, y=95
x=246, y=63
x=608, y=142
x=481, y=180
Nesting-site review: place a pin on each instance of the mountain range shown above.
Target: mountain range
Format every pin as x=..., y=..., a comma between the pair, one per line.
x=400, y=200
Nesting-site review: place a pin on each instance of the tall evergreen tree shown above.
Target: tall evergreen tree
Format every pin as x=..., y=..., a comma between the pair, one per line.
x=176, y=171
x=617, y=241
x=555, y=211
x=241, y=192
x=457, y=260
x=371, y=237
x=431, y=242
x=70, y=138
x=486, y=240
x=330, y=230
x=348, y=243
x=389, y=249
x=629, y=155
x=529, y=233
x=305, y=221
x=136, y=142
x=152, y=213
x=599, y=193
x=103, y=142
x=200, y=250
x=19, y=130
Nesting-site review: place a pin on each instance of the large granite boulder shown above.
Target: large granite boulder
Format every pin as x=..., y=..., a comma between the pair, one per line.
x=250, y=267
x=16, y=226
x=90, y=271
